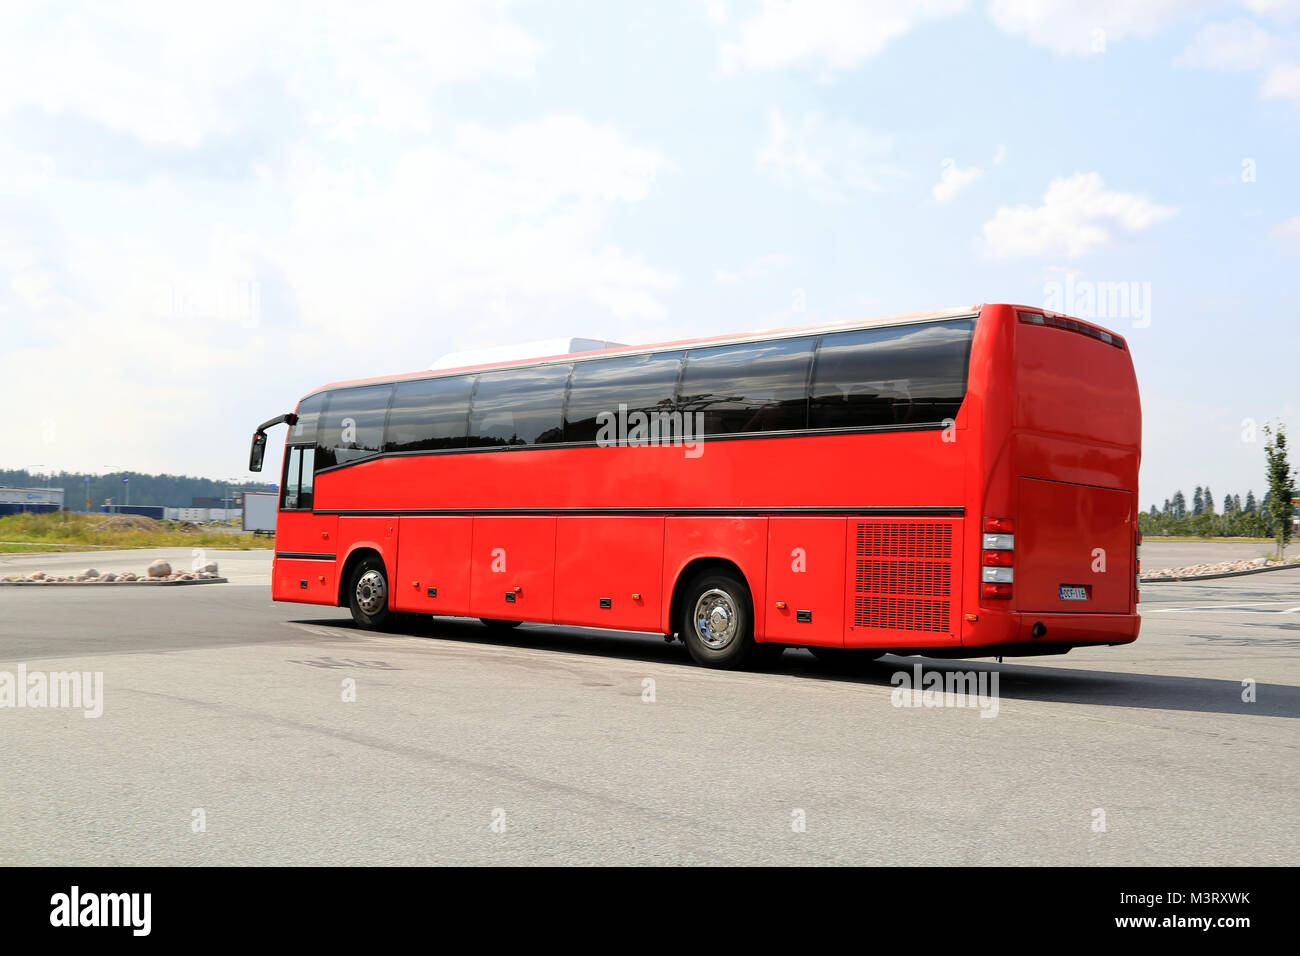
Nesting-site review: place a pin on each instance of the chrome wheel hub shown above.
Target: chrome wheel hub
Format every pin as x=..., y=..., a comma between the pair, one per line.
x=715, y=619
x=372, y=596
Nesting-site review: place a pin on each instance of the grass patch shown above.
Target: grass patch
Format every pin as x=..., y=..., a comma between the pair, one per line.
x=47, y=532
x=1221, y=539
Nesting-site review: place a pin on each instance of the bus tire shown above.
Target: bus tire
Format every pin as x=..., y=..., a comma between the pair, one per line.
x=368, y=595
x=717, y=620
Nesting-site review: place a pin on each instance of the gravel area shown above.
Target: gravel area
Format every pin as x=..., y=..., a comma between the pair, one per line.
x=1219, y=567
x=158, y=572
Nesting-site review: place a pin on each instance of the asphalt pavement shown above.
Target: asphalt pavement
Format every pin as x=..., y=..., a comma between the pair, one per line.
x=236, y=731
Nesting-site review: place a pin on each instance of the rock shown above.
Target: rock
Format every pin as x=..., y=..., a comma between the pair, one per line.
x=110, y=576
x=90, y=573
x=159, y=569
x=36, y=576
x=210, y=567
x=79, y=577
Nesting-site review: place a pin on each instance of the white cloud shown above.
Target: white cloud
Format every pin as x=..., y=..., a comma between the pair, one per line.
x=833, y=158
x=1000, y=155
x=1072, y=220
x=715, y=11
x=953, y=180
x=831, y=34
x=1280, y=9
x=756, y=269
x=1288, y=229
x=1283, y=82
x=1085, y=26
x=172, y=73
x=1244, y=45
x=356, y=267
x=1237, y=45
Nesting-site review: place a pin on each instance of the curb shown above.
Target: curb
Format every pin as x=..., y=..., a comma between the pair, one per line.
x=1290, y=566
x=110, y=584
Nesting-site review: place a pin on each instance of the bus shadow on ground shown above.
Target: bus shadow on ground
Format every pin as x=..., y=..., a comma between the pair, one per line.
x=1029, y=681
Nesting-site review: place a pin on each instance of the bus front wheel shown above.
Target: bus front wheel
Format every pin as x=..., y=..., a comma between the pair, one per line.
x=368, y=595
x=717, y=621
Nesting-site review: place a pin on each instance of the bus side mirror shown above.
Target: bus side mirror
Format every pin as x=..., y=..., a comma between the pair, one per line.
x=257, y=452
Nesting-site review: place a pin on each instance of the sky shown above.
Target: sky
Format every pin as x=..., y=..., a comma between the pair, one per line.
x=206, y=213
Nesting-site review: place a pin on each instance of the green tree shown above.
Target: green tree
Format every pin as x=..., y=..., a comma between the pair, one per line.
x=1281, y=485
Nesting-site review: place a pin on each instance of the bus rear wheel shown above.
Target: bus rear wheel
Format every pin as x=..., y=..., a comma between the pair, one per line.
x=717, y=621
x=368, y=595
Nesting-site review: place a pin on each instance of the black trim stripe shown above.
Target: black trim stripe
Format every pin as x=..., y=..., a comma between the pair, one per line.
x=556, y=446
x=896, y=512
x=306, y=556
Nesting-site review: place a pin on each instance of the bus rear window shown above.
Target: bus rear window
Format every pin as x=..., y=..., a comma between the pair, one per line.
x=900, y=375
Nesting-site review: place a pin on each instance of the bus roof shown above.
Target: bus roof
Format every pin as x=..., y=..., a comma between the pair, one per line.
x=736, y=338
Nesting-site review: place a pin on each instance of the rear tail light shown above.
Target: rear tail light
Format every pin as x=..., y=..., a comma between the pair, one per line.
x=1137, y=568
x=998, y=543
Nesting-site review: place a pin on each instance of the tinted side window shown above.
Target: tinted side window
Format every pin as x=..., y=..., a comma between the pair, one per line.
x=299, y=474
x=906, y=375
x=309, y=410
x=518, y=406
x=429, y=414
x=641, y=382
x=289, y=487
x=353, y=424
x=749, y=388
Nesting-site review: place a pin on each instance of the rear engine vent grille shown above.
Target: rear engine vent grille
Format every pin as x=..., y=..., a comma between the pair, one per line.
x=927, y=578
x=903, y=576
x=905, y=540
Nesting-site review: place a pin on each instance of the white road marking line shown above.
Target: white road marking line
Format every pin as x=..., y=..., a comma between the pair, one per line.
x=1215, y=607
x=1290, y=610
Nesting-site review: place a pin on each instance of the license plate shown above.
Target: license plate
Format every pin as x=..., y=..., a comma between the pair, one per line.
x=1073, y=593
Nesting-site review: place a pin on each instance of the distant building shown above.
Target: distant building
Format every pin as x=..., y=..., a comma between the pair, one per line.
x=15, y=501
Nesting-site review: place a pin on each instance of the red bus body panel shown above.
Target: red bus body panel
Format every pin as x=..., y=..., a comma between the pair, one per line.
x=875, y=536
x=434, y=556
x=805, y=572
x=512, y=568
x=609, y=573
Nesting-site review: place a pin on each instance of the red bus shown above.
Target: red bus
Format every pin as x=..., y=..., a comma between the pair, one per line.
x=959, y=483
